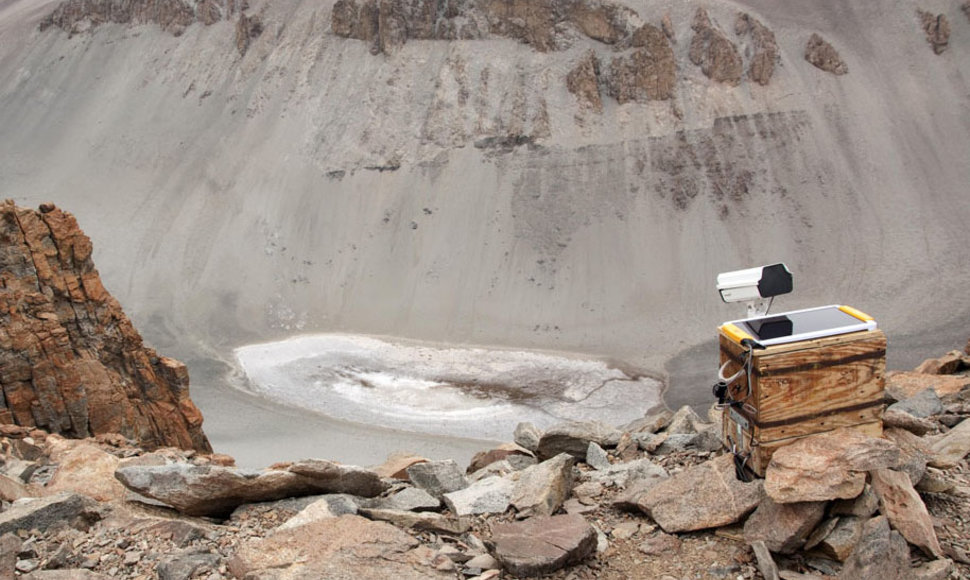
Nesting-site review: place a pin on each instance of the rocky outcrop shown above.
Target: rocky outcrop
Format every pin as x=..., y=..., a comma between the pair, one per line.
x=173, y=16
x=937, y=29
x=649, y=73
x=711, y=50
x=764, y=48
x=539, y=23
x=823, y=55
x=70, y=360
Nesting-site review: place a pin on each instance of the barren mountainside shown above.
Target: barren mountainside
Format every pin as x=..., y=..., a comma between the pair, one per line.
x=567, y=175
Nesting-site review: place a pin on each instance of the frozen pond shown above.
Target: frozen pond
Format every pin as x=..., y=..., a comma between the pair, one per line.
x=466, y=392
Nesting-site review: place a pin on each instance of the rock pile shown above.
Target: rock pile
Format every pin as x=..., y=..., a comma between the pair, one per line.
x=70, y=360
x=651, y=499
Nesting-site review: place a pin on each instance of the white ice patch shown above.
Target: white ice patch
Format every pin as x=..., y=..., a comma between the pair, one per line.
x=463, y=392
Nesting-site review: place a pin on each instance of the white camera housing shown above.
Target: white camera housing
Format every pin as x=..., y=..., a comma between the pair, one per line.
x=755, y=286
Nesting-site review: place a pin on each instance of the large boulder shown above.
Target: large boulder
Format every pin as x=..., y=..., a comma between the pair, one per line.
x=542, y=544
x=210, y=490
x=826, y=466
x=904, y=508
x=345, y=547
x=72, y=361
x=705, y=496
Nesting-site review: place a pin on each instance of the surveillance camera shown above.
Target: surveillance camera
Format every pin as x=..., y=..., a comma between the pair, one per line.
x=755, y=286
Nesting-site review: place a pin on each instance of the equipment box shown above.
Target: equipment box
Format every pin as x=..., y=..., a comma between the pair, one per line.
x=800, y=388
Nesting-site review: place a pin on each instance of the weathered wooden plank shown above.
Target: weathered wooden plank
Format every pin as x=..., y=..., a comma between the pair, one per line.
x=805, y=390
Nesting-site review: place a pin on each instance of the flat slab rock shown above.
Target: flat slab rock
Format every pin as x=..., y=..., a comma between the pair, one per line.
x=708, y=495
x=209, y=490
x=345, y=547
x=542, y=544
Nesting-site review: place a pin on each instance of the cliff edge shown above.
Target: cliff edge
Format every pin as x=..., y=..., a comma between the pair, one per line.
x=70, y=360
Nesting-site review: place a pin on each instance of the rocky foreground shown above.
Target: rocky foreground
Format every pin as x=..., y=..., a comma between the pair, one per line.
x=656, y=498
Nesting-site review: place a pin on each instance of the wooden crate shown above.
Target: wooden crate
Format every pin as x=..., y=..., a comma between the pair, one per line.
x=802, y=388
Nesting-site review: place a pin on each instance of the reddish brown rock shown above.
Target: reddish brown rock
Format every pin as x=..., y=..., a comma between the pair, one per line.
x=70, y=360
x=711, y=50
x=906, y=511
x=944, y=365
x=826, y=466
x=83, y=467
